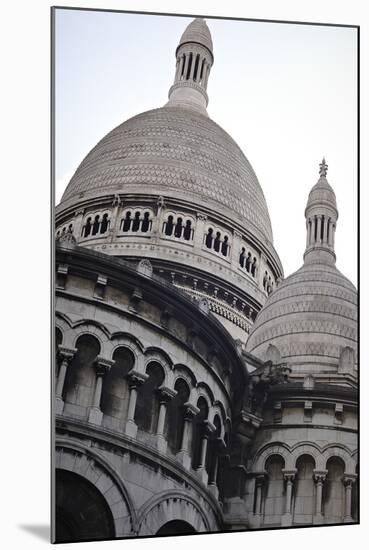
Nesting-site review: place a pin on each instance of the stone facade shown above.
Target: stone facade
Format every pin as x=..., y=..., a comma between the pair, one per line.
x=195, y=389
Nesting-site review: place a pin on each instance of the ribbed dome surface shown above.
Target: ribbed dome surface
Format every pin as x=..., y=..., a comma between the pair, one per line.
x=177, y=152
x=322, y=194
x=310, y=317
x=197, y=31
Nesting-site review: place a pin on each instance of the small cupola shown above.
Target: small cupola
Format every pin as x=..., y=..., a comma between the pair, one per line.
x=321, y=217
x=194, y=59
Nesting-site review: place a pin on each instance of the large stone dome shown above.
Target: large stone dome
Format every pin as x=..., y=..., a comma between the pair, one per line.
x=174, y=151
x=310, y=318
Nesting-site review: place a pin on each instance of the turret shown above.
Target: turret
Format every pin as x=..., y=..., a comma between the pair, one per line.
x=321, y=217
x=194, y=59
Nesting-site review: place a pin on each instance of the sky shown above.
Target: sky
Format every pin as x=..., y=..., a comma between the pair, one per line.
x=285, y=92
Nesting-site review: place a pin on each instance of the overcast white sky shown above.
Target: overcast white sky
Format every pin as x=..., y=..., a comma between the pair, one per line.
x=286, y=93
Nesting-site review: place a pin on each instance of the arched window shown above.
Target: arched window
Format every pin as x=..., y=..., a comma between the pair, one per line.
x=197, y=431
x=274, y=498
x=115, y=391
x=88, y=227
x=305, y=491
x=209, y=238
x=127, y=222
x=136, y=222
x=80, y=380
x=175, y=415
x=145, y=222
x=187, y=232
x=334, y=491
x=70, y=228
x=104, y=224
x=265, y=280
x=96, y=225
x=178, y=229
x=225, y=246
x=147, y=406
x=242, y=257
x=168, y=230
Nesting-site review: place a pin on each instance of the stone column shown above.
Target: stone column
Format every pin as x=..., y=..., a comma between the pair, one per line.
x=199, y=233
x=348, y=482
x=206, y=76
x=330, y=236
x=289, y=476
x=207, y=429
x=259, y=484
x=102, y=367
x=307, y=233
x=184, y=454
x=325, y=230
x=66, y=355
x=319, y=478
x=77, y=224
x=115, y=218
x=135, y=380
x=165, y=395
x=219, y=449
x=236, y=249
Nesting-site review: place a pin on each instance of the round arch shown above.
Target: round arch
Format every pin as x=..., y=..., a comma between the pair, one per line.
x=174, y=506
x=87, y=463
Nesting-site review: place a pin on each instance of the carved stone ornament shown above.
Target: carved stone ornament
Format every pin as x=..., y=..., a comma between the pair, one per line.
x=204, y=306
x=145, y=268
x=67, y=239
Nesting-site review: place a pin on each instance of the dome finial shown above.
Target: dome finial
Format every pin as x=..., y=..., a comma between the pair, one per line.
x=194, y=59
x=323, y=168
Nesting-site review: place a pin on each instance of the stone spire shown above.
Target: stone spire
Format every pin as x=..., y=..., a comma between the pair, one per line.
x=194, y=59
x=321, y=217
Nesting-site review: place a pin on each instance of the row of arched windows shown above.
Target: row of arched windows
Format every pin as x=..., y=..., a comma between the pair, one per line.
x=97, y=225
x=136, y=222
x=178, y=228
x=247, y=262
x=79, y=389
x=215, y=241
x=64, y=230
x=303, y=500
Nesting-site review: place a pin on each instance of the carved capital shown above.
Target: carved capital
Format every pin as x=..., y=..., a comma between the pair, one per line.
x=319, y=475
x=260, y=478
x=201, y=217
x=136, y=379
x=349, y=479
x=66, y=354
x=190, y=411
x=166, y=394
x=208, y=428
x=289, y=475
x=103, y=365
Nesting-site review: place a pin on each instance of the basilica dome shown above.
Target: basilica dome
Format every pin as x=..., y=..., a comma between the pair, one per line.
x=179, y=152
x=311, y=318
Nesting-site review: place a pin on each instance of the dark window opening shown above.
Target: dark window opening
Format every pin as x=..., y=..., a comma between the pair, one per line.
x=169, y=226
x=88, y=227
x=196, y=67
x=209, y=238
x=225, y=246
x=146, y=222
x=189, y=67
x=178, y=229
x=248, y=262
x=96, y=225
x=104, y=224
x=136, y=222
x=253, y=267
x=187, y=232
x=127, y=222
x=242, y=257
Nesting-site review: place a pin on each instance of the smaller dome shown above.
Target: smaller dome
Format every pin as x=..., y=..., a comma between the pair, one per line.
x=311, y=317
x=197, y=31
x=322, y=194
